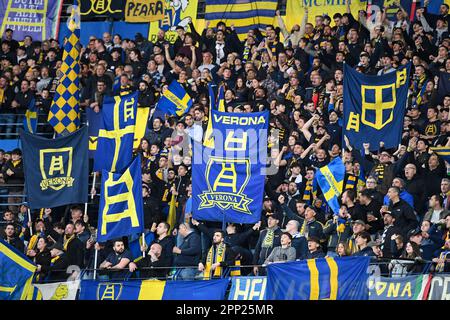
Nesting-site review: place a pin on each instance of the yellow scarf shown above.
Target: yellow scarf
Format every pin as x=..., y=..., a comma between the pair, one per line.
x=303, y=228
x=33, y=241
x=67, y=241
x=16, y=163
x=214, y=256
x=2, y=95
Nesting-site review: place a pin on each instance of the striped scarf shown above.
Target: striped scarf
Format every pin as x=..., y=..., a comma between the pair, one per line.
x=214, y=256
x=67, y=241
x=307, y=193
x=303, y=228
x=351, y=182
x=268, y=239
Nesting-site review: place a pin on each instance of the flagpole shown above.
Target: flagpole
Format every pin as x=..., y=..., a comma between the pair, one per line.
x=95, y=263
x=29, y=219
x=143, y=244
x=93, y=184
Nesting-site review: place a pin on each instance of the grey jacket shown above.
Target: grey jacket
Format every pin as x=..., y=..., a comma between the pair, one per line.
x=281, y=254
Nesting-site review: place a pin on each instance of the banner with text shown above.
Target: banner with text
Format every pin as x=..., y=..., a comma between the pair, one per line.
x=440, y=287
x=144, y=10
x=400, y=288
x=36, y=18
x=248, y=288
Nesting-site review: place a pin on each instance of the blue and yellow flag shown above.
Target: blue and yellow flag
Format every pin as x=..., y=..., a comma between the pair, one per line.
x=175, y=100
x=94, y=123
x=230, y=176
x=121, y=210
x=64, y=113
x=374, y=107
x=30, y=121
x=443, y=152
x=319, y=279
x=244, y=14
x=154, y=290
x=16, y=273
x=115, y=138
x=331, y=181
x=56, y=170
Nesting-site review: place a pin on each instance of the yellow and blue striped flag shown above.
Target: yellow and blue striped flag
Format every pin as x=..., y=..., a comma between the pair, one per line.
x=16, y=273
x=331, y=180
x=154, y=290
x=64, y=112
x=30, y=121
x=319, y=279
x=175, y=100
x=245, y=15
x=443, y=152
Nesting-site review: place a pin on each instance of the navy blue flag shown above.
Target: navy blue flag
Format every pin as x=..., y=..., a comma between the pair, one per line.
x=56, y=170
x=121, y=210
x=374, y=107
x=95, y=122
x=229, y=178
x=115, y=138
x=443, y=85
x=319, y=279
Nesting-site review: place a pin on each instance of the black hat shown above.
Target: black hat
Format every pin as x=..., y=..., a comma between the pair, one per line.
x=180, y=64
x=179, y=28
x=414, y=232
x=266, y=198
x=138, y=37
x=315, y=239
x=58, y=246
x=274, y=215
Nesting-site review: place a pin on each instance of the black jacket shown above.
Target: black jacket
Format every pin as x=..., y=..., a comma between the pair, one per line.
x=58, y=269
x=404, y=215
x=75, y=253
x=16, y=243
x=261, y=253
x=191, y=249
x=167, y=244
x=147, y=262
x=386, y=244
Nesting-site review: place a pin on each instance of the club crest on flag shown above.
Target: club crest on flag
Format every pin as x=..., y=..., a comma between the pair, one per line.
x=225, y=186
x=56, y=168
x=109, y=291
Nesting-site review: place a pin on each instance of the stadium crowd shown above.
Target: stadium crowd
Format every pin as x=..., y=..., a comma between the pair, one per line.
x=399, y=209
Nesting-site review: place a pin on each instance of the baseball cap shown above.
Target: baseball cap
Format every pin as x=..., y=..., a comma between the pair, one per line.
x=414, y=232
x=359, y=222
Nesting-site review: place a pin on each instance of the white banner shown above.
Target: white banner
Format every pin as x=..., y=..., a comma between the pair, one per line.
x=59, y=290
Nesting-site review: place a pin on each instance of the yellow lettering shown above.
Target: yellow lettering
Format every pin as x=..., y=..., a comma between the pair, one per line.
x=56, y=164
x=393, y=290
x=241, y=143
x=401, y=78
x=380, y=287
x=407, y=290
x=353, y=122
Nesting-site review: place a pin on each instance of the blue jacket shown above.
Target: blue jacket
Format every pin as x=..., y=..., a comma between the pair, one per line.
x=191, y=249
x=404, y=195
